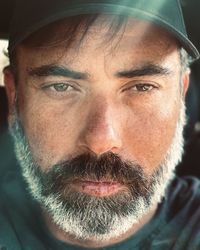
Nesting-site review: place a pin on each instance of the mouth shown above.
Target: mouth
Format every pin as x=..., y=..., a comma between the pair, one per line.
x=97, y=188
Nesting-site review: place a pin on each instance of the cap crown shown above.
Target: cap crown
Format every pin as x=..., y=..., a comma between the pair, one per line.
x=31, y=15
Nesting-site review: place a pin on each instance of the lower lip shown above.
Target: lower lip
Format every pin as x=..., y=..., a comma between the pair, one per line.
x=99, y=189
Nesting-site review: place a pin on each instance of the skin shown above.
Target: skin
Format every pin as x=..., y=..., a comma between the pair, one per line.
x=133, y=116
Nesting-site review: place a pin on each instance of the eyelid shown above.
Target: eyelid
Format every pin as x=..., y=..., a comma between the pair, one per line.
x=54, y=83
x=68, y=91
x=135, y=83
x=144, y=84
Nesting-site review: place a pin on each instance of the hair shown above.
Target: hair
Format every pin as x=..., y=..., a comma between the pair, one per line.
x=185, y=59
x=77, y=27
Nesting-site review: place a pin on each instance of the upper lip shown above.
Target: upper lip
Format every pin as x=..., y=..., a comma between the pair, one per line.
x=101, y=181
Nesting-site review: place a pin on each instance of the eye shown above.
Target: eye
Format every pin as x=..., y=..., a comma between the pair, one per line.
x=59, y=87
x=143, y=87
x=61, y=90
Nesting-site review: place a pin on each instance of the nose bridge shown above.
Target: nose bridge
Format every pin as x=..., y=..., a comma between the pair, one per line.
x=100, y=116
x=101, y=133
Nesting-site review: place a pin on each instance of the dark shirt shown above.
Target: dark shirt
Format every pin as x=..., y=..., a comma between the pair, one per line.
x=176, y=224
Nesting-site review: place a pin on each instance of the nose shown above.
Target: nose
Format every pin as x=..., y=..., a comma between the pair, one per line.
x=101, y=132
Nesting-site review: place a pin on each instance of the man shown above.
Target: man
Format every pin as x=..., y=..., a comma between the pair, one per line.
x=96, y=95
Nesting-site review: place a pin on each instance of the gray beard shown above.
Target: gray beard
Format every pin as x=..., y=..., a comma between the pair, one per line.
x=102, y=218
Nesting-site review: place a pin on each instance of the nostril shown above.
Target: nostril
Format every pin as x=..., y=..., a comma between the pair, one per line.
x=101, y=143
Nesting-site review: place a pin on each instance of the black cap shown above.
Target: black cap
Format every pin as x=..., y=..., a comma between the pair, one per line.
x=31, y=15
x=6, y=11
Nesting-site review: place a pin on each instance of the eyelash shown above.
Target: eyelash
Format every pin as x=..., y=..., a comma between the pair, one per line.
x=142, y=87
x=53, y=87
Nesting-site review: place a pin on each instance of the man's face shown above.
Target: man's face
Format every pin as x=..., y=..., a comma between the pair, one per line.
x=98, y=103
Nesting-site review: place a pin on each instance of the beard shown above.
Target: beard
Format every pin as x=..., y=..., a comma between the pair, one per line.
x=84, y=216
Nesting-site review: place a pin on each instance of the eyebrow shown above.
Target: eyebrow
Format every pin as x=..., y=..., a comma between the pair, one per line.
x=145, y=70
x=55, y=70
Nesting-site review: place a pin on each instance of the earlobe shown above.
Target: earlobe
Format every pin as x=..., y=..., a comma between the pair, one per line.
x=185, y=81
x=10, y=87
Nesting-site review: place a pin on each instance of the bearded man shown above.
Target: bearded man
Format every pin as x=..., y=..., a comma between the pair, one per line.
x=96, y=94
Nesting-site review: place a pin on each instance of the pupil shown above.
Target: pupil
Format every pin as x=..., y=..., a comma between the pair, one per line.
x=61, y=87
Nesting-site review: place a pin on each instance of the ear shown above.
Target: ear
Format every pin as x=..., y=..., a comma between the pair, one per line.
x=10, y=86
x=185, y=81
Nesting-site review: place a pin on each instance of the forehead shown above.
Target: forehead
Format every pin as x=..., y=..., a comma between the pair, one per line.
x=117, y=37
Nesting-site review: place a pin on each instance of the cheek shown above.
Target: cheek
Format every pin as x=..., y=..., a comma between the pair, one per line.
x=150, y=132
x=52, y=132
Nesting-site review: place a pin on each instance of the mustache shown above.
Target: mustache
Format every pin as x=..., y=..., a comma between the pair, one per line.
x=109, y=167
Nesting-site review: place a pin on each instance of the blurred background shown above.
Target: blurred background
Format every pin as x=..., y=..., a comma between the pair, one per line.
x=3, y=58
